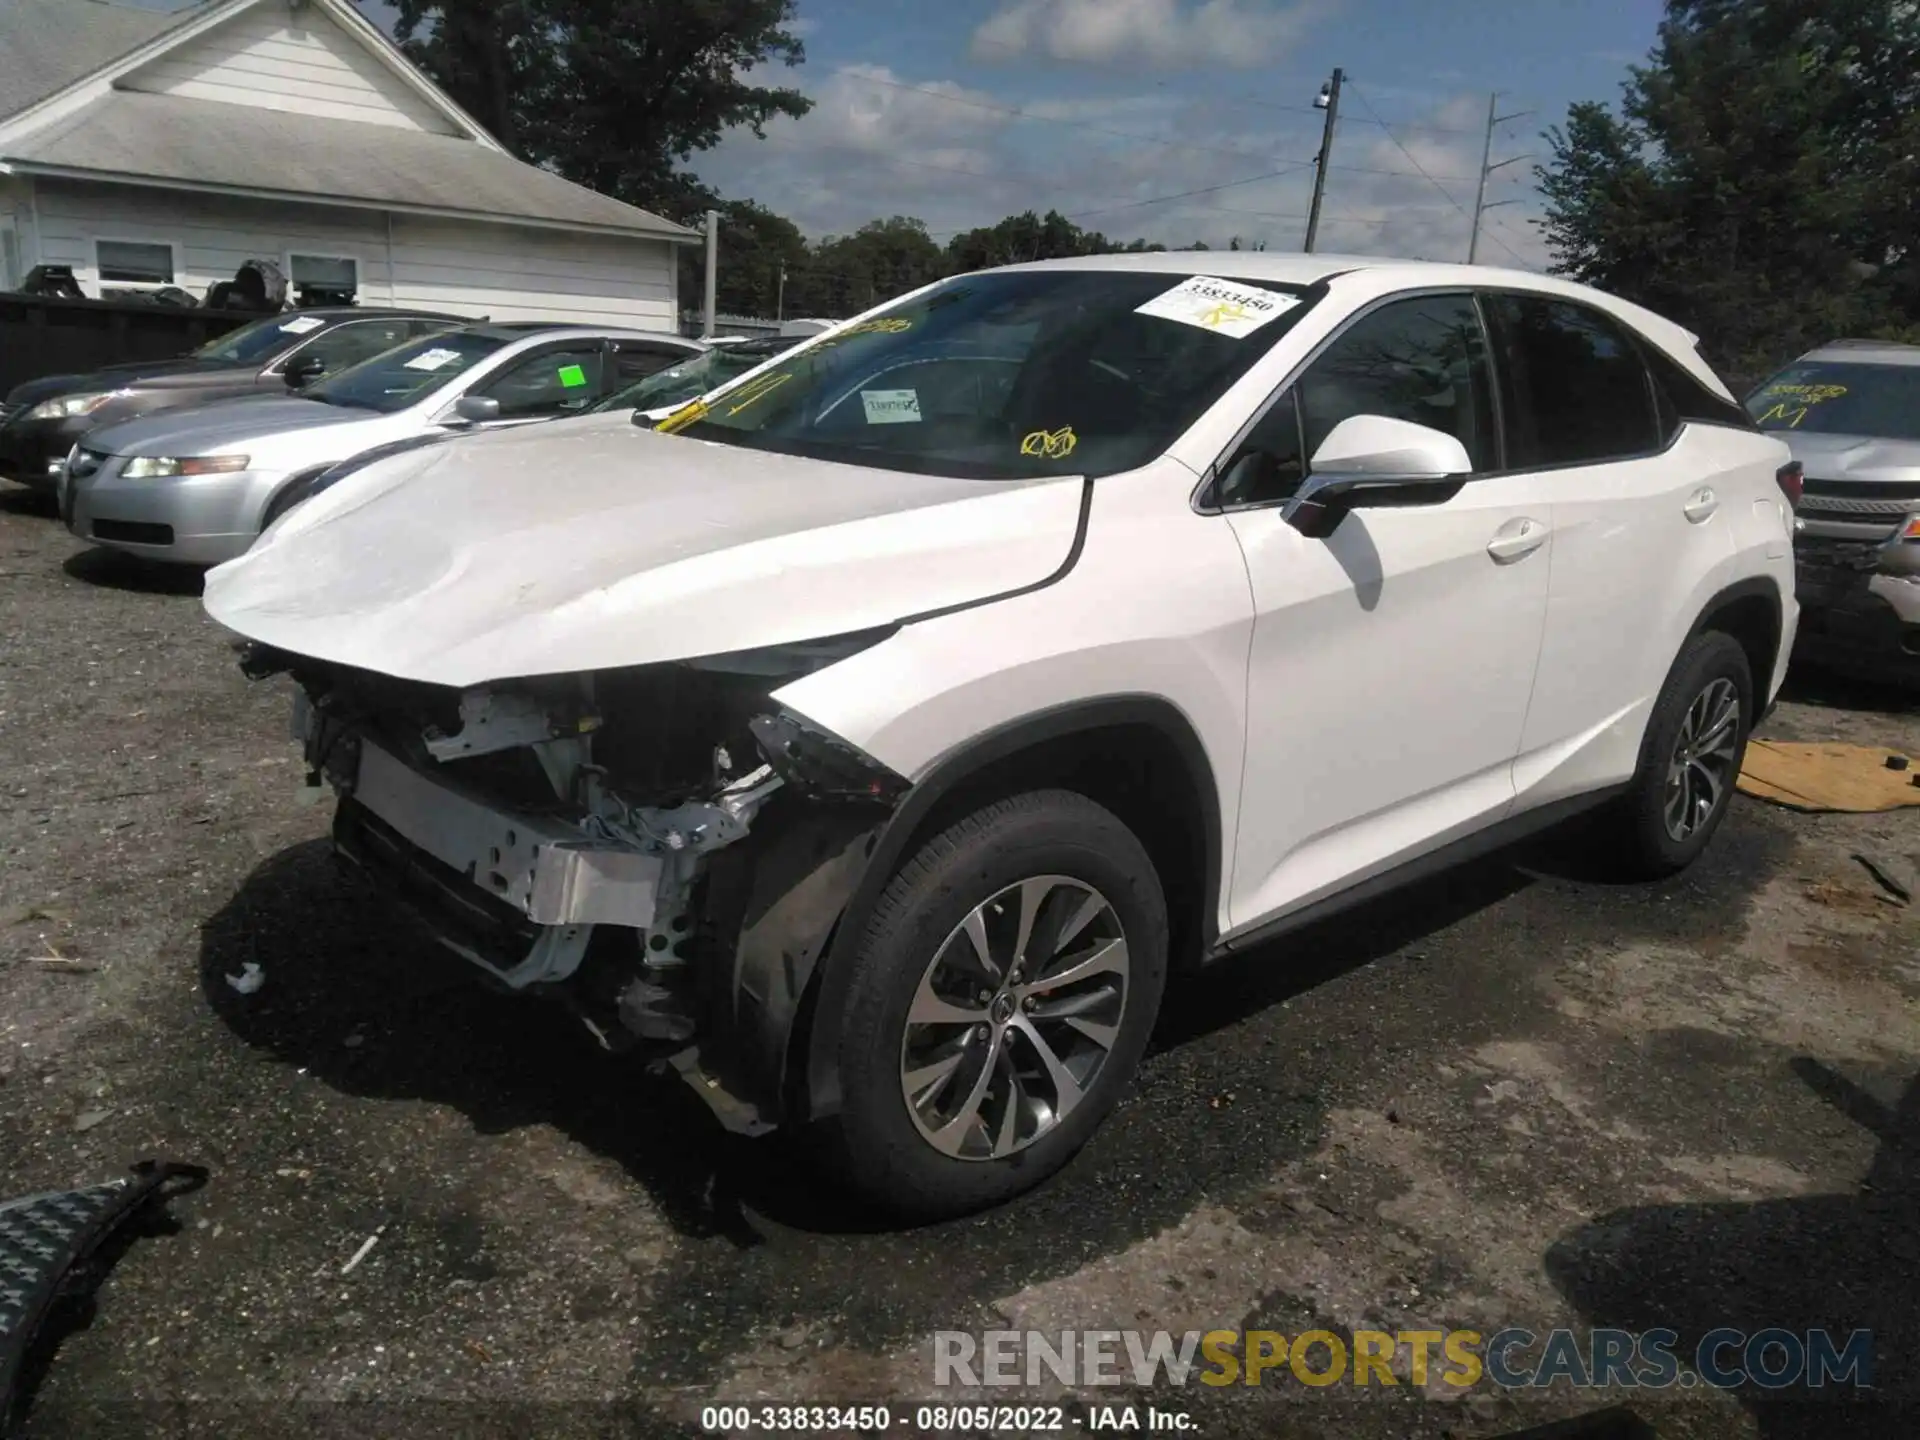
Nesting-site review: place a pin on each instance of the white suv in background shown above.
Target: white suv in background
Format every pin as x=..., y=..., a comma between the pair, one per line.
x=883, y=740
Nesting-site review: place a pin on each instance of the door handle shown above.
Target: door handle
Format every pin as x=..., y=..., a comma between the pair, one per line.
x=1700, y=505
x=1515, y=539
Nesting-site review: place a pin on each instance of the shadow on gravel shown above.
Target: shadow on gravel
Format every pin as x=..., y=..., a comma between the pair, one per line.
x=18, y=500
x=1808, y=683
x=1838, y=1263
x=116, y=571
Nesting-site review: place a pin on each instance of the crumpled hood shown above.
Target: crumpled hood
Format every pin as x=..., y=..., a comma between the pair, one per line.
x=204, y=429
x=596, y=544
x=1854, y=457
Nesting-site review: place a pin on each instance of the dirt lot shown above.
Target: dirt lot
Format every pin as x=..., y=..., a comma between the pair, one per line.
x=1519, y=1096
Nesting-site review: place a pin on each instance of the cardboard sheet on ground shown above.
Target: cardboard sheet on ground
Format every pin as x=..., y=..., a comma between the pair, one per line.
x=1824, y=776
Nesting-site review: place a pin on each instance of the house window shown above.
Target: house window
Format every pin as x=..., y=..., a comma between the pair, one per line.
x=10, y=271
x=133, y=262
x=323, y=279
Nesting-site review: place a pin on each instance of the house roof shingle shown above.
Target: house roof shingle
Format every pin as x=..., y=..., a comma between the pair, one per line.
x=47, y=45
x=206, y=144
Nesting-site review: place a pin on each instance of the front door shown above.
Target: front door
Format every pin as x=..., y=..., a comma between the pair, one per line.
x=1392, y=662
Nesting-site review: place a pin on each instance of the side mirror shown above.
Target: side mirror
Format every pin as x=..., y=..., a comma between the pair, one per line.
x=1374, y=460
x=303, y=370
x=476, y=409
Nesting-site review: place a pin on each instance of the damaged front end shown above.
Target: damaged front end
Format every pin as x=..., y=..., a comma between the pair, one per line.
x=666, y=848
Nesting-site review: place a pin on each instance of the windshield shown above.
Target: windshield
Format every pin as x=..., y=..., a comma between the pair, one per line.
x=695, y=376
x=394, y=379
x=1876, y=400
x=1010, y=374
x=260, y=341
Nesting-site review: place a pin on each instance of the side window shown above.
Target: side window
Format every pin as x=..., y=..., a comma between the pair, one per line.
x=637, y=359
x=553, y=382
x=1423, y=360
x=1270, y=463
x=353, y=342
x=1577, y=392
x=1684, y=398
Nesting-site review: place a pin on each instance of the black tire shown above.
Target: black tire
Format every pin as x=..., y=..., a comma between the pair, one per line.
x=1646, y=848
x=874, y=1145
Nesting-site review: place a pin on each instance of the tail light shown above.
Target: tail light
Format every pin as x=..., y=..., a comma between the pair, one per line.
x=1792, y=480
x=1909, y=531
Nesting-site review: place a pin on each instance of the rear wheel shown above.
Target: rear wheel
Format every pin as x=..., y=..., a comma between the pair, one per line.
x=1690, y=759
x=999, y=1002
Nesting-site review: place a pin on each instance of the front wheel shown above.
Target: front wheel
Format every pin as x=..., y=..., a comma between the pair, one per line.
x=998, y=1004
x=1690, y=759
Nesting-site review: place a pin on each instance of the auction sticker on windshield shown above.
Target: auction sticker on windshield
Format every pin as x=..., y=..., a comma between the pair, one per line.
x=432, y=359
x=1222, y=306
x=890, y=407
x=302, y=325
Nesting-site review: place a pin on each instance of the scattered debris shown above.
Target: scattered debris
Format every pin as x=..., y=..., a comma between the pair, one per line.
x=249, y=980
x=1393, y=1116
x=1895, y=875
x=354, y=1041
x=366, y=1248
x=1896, y=762
x=1836, y=896
x=793, y=1338
x=63, y=964
x=88, y=1119
x=1222, y=1101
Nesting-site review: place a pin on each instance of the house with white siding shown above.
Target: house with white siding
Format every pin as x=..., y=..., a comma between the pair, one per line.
x=148, y=149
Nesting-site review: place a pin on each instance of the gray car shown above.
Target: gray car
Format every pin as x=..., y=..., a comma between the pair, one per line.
x=198, y=486
x=1850, y=411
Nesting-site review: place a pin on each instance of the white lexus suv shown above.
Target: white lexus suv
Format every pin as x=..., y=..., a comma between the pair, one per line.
x=879, y=744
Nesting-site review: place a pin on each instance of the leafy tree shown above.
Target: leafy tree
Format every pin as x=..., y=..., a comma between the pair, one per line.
x=755, y=246
x=1758, y=181
x=614, y=94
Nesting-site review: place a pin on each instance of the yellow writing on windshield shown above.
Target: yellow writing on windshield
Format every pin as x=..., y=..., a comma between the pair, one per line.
x=755, y=390
x=1788, y=411
x=1050, y=444
x=892, y=326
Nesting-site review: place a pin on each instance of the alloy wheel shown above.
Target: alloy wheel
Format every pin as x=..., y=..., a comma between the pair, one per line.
x=1701, y=768
x=1014, y=1017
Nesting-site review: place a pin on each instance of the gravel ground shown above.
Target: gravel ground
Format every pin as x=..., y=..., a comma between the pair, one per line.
x=1515, y=1096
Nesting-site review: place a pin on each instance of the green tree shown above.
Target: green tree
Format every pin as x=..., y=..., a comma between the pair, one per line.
x=614, y=94
x=1757, y=182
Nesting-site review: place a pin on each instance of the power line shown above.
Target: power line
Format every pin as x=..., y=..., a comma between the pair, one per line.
x=1430, y=179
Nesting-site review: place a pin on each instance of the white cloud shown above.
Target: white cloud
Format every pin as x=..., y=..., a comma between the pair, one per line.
x=880, y=143
x=1167, y=33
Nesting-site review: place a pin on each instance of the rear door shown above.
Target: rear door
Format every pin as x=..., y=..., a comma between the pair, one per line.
x=1641, y=522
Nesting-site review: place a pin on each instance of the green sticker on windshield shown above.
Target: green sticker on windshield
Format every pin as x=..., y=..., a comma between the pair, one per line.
x=572, y=376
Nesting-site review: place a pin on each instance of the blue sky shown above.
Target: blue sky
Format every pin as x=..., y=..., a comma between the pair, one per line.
x=963, y=111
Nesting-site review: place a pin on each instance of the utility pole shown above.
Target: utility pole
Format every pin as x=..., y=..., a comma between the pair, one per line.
x=780, y=294
x=713, y=271
x=1480, y=205
x=1329, y=100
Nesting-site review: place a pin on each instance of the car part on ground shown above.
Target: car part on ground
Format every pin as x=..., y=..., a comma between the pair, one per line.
x=42, y=420
x=1821, y=776
x=872, y=745
x=1848, y=411
x=47, y=1242
x=425, y=387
